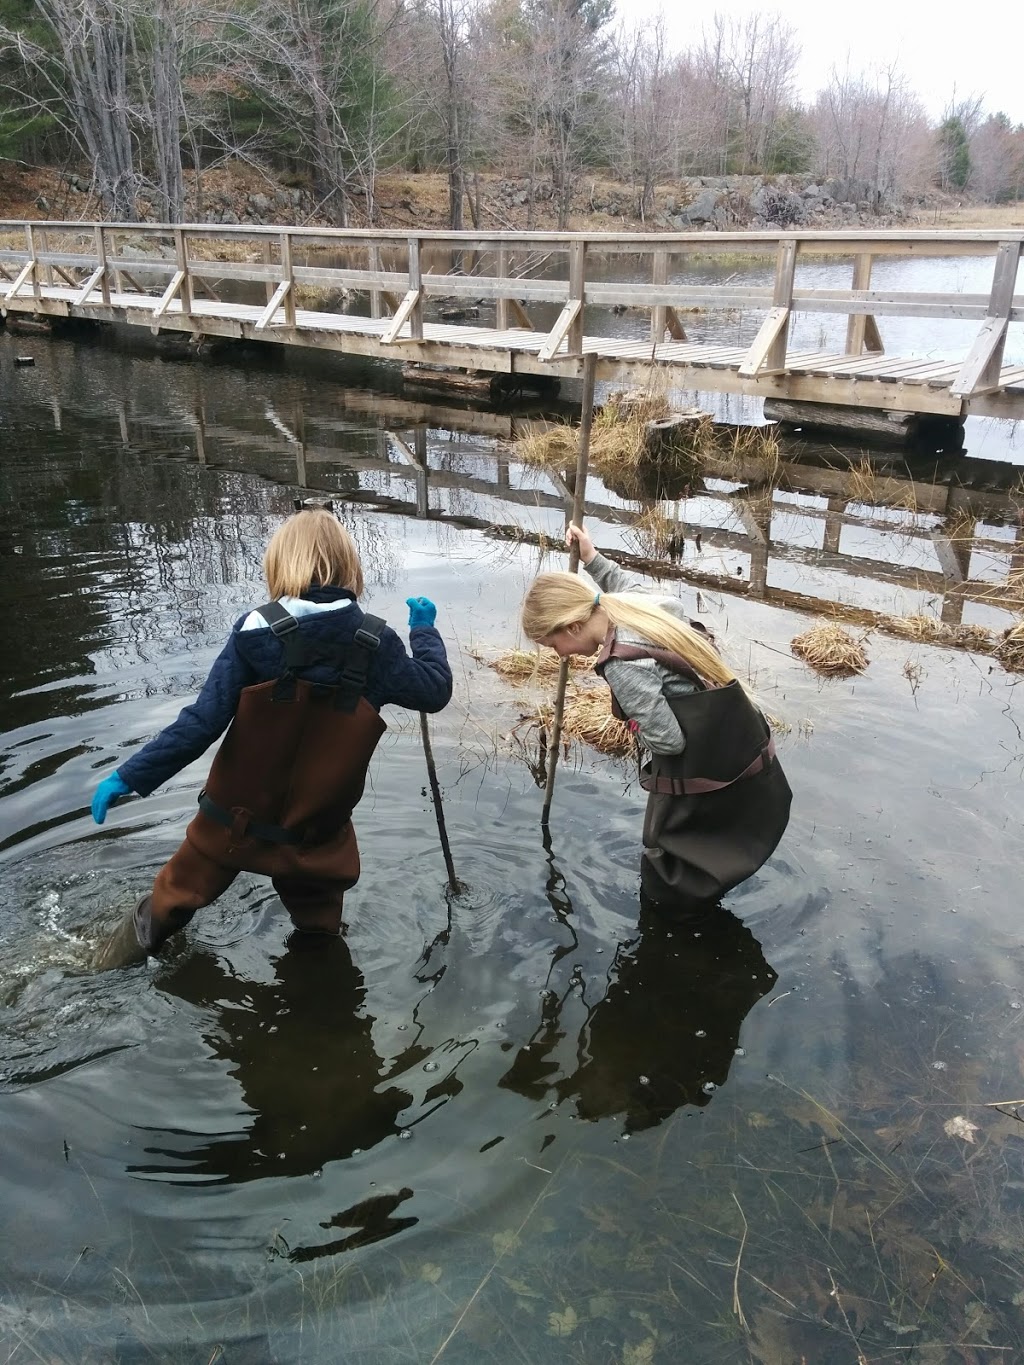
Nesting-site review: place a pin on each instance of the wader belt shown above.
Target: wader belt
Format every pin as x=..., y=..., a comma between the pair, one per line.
x=700, y=786
x=242, y=826
x=352, y=660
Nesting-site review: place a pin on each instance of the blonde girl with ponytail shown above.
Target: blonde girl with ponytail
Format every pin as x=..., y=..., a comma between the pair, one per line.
x=719, y=800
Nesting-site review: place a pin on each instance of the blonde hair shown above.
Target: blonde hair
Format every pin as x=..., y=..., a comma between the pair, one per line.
x=556, y=601
x=311, y=547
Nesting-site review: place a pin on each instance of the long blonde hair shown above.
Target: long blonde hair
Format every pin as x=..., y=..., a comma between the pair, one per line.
x=556, y=601
x=311, y=547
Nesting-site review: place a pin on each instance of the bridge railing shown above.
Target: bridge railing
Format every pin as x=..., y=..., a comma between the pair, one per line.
x=401, y=270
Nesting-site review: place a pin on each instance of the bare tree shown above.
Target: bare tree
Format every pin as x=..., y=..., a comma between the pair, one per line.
x=872, y=136
x=85, y=84
x=647, y=110
x=316, y=66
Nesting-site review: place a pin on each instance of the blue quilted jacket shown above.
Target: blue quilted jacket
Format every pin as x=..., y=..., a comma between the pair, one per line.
x=421, y=683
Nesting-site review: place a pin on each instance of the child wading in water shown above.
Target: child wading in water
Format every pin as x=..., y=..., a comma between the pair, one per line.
x=719, y=800
x=300, y=682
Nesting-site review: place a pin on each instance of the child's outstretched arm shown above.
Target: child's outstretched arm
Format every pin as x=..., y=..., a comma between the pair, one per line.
x=191, y=734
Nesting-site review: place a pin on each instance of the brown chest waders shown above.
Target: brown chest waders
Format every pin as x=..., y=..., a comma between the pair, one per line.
x=281, y=790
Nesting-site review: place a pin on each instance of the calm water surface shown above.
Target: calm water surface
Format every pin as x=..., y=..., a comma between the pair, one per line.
x=522, y=1123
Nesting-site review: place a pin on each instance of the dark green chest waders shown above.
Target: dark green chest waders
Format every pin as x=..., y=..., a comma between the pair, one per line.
x=716, y=811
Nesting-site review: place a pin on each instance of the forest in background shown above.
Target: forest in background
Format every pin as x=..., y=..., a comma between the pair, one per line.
x=526, y=104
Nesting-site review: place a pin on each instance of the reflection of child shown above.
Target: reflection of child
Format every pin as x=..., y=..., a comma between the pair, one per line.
x=300, y=683
x=719, y=800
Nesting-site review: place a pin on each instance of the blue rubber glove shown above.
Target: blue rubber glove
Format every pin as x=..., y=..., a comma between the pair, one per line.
x=422, y=611
x=111, y=789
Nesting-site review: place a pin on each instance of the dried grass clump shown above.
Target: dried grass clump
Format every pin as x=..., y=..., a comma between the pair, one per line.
x=533, y=665
x=1010, y=650
x=929, y=630
x=547, y=446
x=830, y=650
x=588, y=719
x=620, y=437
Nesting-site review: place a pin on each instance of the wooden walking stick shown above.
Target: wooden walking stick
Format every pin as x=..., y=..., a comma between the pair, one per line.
x=454, y=885
x=578, y=491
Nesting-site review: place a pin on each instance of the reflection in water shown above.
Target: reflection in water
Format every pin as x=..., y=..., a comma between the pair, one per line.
x=301, y=1049
x=664, y=1035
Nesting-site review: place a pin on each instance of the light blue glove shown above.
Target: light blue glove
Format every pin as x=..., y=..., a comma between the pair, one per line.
x=422, y=611
x=111, y=789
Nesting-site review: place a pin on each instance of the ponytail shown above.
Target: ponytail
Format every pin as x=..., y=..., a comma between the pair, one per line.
x=556, y=601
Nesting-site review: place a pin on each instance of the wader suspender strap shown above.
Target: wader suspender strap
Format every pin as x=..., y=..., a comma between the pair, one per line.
x=297, y=654
x=688, y=786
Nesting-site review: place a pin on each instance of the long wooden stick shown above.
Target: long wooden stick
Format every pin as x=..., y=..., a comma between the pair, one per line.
x=454, y=885
x=578, y=492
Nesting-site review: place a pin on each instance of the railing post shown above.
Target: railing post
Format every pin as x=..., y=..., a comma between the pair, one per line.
x=577, y=291
x=268, y=259
x=501, y=317
x=43, y=243
x=181, y=257
x=981, y=370
x=101, y=262
x=415, y=283
x=30, y=241
x=287, y=273
x=376, y=303
x=659, y=313
x=785, y=270
x=861, y=329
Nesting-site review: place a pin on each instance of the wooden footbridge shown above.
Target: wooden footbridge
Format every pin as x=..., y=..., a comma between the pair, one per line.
x=462, y=300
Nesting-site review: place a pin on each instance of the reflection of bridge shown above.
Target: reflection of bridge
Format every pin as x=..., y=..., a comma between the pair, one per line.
x=936, y=519
x=93, y=271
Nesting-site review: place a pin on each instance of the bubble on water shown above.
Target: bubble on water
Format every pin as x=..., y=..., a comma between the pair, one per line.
x=430, y=1066
x=1015, y=1004
x=938, y=1066
x=405, y=1134
x=624, y=1137
x=402, y=1028
x=738, y=1052
x=701, y=1033
x=357, y=1151
x=645, y=1080
x=317, y=1174
x=708, y=1087
x=553, y=1104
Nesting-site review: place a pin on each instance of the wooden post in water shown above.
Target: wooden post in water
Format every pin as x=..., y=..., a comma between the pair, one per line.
x=578, y=494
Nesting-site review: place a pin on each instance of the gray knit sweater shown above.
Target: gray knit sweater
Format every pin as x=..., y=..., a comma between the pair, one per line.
x=641, y=685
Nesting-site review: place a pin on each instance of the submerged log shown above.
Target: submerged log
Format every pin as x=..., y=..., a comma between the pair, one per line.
x=28, y=326
x=880, y=425
x=478, y=383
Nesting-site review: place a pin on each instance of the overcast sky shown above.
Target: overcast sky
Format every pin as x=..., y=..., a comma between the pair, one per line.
x=941, y=46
